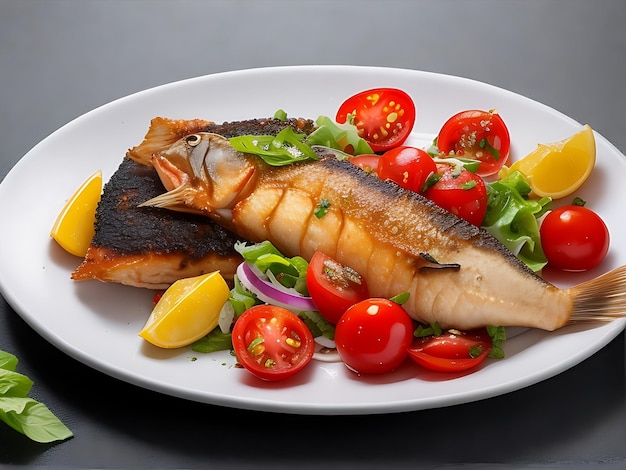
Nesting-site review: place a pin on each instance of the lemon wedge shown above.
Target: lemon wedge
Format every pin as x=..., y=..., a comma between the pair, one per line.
x=188, y=310
x=73, y=228
x=557, y=170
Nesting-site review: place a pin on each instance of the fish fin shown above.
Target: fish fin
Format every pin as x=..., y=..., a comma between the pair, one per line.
x=177, y=199
x=162, y=133
x=601, y=299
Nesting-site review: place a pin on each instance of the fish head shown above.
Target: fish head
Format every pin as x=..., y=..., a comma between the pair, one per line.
x=202, y=173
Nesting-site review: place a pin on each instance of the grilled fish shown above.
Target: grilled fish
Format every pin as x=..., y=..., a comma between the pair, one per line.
x=152, y=248
x=456, y=273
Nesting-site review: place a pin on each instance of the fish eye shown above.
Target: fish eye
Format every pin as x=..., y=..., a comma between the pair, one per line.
x=193, y=140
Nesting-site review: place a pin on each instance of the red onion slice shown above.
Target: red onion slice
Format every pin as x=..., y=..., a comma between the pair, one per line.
x=270, y=294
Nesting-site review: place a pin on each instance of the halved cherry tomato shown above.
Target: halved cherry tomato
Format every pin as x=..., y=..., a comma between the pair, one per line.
x=272, y=342
x=461, y=192
x=409, y=167
x=366, y=162
x=384, y=117
x=372, y=336
x=333, y=287
x=574, y=238
x=451, y=351
x=479, y=135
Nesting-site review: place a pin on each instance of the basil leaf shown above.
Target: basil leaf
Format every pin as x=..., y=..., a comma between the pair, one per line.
x=7, y=361
x=285, y=148
x=33, y=419
x=25, y=415
x=14, y=384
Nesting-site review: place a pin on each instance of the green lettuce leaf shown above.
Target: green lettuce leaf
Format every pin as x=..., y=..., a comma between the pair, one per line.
x=290, y=272
x=513, y=218
x=214, y=341
x=343, y=137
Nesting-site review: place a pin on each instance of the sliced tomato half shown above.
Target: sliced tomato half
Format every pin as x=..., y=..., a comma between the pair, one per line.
x=272, y=342
x=452, y=351
x=333, y=287
x=384, y=117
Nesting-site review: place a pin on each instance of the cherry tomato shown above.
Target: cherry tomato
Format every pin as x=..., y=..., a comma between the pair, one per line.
x=383, y=117
x=272, y=342
x=479, y=135
x=333, y=287
x=574, y=238
x=461, y=192
x=373, y=335
x=409, y=167
x=451, y=351
x=366, y=162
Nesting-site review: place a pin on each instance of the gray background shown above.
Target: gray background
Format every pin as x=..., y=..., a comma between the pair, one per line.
x=60, y=59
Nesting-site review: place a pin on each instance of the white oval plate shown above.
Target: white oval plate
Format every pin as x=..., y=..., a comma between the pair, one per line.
x=97, y=323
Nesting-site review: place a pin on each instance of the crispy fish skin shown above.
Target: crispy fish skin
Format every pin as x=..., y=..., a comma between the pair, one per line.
x=151, y=247
x=456, y=274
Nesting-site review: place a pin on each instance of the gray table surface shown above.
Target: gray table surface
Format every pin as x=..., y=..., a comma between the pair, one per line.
x=60, y=59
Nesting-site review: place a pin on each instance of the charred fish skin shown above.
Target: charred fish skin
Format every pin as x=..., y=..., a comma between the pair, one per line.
x=151, y=247
x=456, y=274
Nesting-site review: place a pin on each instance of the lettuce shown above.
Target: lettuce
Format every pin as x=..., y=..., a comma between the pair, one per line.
x=513, y=218
x=342, y=137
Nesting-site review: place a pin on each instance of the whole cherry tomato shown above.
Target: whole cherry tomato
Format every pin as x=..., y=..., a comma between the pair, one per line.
x=461, y=192
x=409, y=167
x=384, y=117
x=373, y=335
x=574, y=238
x=479, y=135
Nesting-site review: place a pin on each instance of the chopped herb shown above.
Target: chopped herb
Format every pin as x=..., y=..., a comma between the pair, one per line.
x=579, y=202
x=498, y=336
x=484, y=144
x=322, y=208
x=431, y=180
x=432, y=329
x=255, y=347
x=469, y=185
x=475, y=351
x=400, y=298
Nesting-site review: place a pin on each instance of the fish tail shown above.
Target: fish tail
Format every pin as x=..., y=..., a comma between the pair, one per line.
x=601, y=299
